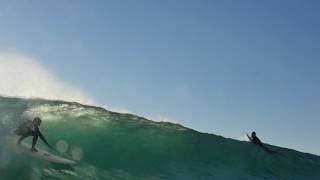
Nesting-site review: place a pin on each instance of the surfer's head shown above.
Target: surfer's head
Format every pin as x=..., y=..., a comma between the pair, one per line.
x=37, y=121
x=253, y=133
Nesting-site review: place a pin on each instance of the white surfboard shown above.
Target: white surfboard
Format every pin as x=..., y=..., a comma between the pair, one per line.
x=43, y=155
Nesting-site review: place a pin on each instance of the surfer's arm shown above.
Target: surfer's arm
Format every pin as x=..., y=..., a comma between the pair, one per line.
x=249, y=137
x=43, y=138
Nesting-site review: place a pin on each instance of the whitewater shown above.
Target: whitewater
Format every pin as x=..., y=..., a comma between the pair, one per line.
x=109, y=145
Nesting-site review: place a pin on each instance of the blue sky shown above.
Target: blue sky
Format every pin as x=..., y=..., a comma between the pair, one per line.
x=224, y=67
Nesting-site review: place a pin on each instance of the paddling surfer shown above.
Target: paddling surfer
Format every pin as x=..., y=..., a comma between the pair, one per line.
x=255, y=140
x=31, y=128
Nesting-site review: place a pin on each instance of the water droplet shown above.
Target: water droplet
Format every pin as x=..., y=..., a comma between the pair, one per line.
x=77, y=153
x=62, y=146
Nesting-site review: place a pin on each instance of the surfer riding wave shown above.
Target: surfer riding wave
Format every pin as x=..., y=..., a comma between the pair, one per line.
x=31, y=128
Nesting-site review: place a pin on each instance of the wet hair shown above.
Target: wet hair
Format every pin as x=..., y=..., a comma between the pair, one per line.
x=37, y=120
x=253, y=133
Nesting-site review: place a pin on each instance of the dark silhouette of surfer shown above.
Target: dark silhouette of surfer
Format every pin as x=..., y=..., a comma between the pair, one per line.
x=31, y=128
x=255, y=140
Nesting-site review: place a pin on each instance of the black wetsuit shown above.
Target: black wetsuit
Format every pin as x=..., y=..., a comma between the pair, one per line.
x=256, y=140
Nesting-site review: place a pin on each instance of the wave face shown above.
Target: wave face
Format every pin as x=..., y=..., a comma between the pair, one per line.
x=110, y=145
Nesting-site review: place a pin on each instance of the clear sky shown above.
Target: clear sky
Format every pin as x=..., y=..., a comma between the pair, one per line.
x=223, y=67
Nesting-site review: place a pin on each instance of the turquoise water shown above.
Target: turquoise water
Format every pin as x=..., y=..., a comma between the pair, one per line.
x=110, y=145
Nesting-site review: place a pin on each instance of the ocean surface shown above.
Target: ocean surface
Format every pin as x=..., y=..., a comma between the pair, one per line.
x=109, y=145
